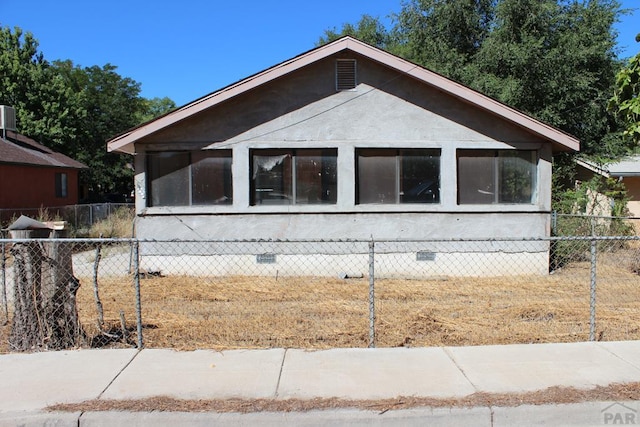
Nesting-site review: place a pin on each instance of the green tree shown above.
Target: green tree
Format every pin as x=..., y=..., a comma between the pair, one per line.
x=369, y=30
x=111, y=104
x=443, y=35
x=553, y=59
x=556, y=61
x=46, y=108
x=626, y=98
x=74, y=109
x=155, y=107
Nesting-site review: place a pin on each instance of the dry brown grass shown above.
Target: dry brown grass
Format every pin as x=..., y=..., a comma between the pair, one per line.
x=309, y=312
x=187, y=313
x=552, y=395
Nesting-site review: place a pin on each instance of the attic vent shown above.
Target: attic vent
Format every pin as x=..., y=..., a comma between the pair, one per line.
x=7, y=118
x=345, y=74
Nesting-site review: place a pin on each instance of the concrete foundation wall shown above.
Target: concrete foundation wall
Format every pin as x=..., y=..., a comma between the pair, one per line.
x=352, y=266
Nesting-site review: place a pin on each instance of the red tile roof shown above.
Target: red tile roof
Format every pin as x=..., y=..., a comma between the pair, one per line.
x=19, y=149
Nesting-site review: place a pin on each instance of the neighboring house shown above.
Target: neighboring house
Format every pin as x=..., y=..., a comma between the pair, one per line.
x=346, y=141
x=626, y=170
x=33, y=176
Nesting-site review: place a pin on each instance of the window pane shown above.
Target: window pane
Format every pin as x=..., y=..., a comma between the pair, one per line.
x=377, y=181
x=168, y=178
x=211, y=178
x=316, y=176
x=517, y=176
x=420, y=176
x=476, y=172
x=272, y=178
x=61, y=184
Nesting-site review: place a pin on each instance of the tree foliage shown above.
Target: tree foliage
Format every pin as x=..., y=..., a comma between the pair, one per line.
x=626, y=98
x=553, y=59
x=74, y=109
x=369, y=30
x=45, y=106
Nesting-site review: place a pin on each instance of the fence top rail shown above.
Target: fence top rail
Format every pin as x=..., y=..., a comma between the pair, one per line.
x=594, y=216
x=71, y=240
x=399, y=240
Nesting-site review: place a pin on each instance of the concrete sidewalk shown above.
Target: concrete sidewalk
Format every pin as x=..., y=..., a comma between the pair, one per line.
x=31, y=382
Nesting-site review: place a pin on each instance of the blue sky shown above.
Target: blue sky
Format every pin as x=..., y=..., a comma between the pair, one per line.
x=185, y=50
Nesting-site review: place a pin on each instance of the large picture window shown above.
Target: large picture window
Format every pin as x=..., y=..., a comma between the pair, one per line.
x=302, y=176
x=398, y=176
x=181, y=178
x=496, y=176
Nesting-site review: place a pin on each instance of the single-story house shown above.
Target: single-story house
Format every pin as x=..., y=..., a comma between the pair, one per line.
x=32, y=176
x=626, y=170
x=345, y=141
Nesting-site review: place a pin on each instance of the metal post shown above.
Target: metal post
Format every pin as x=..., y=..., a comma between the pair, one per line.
x=372, y=311
x=3, y=264
x=136, y=279
x=592, y=302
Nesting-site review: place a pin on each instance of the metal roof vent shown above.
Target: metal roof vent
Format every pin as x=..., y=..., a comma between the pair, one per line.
x=345, y=74
x=7, y=118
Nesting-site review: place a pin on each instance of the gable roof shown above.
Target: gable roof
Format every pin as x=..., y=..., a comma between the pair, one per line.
x=562, y=141
x=22, y=150
x=627, y=166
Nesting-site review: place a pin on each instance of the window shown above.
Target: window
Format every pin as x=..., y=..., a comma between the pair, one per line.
x=496, y=176
x=181, y=178
x=304, y=176
x=61, y=184
x=398, y=176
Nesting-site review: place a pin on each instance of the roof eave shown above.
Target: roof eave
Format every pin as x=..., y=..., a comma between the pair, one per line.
x=561, y=141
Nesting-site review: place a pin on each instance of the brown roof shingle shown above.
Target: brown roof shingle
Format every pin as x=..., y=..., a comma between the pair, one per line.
x=19, y=149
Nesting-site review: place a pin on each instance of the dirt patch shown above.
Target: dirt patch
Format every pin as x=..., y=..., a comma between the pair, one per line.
x=553, y=395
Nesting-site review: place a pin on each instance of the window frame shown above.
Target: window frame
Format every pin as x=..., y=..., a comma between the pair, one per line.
x=497, y=170
x=399, y=193
x=189, y=168
x=290, y=194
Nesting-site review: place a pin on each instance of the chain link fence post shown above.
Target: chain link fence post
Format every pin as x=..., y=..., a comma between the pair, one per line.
x=372, y=310
x=3, y=264
x=592, y=300
x=136, y=279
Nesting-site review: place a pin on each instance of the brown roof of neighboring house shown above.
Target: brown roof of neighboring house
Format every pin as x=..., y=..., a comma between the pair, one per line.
x=561, y=140
x=22, y=150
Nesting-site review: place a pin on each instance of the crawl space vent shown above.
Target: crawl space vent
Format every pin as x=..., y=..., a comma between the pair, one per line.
x=345, y=74
x=425, y=256
x=266, y=258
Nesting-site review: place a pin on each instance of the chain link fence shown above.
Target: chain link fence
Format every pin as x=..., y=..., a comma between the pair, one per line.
x=65, y=293
x=77, y=216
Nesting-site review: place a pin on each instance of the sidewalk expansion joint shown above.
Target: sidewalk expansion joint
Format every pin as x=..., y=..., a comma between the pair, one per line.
x=616, y=355
x=284, y=356
x=455, y=362
x=119, y=373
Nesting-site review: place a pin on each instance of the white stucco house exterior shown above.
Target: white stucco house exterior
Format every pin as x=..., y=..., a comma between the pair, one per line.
x=345, y=141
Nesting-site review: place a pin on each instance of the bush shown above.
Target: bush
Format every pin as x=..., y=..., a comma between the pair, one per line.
x=117, y=225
